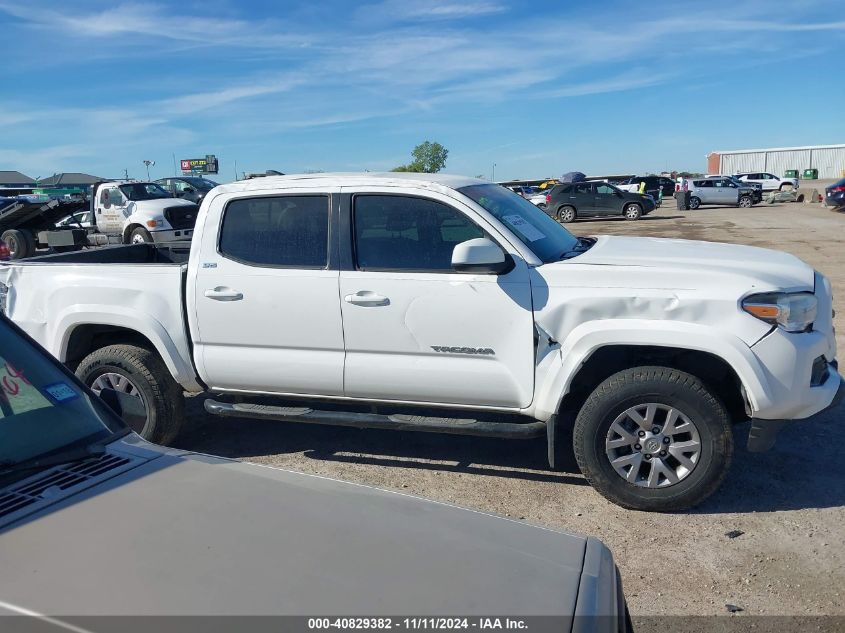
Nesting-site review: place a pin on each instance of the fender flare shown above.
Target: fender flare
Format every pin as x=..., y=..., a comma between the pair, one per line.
x=585, y=339
x=172, y=353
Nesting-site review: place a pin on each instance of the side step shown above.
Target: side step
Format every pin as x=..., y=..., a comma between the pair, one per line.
x=398, y=422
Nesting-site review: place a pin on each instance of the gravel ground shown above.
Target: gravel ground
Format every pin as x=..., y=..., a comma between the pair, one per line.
x=788, y=504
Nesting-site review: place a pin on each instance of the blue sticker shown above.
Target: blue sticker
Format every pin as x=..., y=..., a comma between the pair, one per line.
x=61, y=392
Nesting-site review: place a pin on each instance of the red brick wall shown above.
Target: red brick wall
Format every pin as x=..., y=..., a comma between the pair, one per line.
x=714, y=161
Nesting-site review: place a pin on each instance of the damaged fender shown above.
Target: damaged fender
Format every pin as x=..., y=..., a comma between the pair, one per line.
x=588, y=337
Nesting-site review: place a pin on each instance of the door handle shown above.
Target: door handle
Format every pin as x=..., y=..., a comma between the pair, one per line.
x=367, y=298
x=222, y=293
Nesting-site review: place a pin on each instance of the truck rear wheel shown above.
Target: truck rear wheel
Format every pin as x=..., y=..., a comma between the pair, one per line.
x=21, y=243
x=653, y=439
x=141, y=373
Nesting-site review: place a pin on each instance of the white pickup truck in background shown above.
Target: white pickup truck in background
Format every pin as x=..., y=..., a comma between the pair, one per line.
x=396, y=295
x=136, y=211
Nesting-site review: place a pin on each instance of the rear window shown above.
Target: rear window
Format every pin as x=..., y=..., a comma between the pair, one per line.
x=277, y=231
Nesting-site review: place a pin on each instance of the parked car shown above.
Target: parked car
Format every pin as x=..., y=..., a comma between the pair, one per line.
x=721, y=190
x=834, y=194
x=769, y=182
x=758, y=188
x=570, y=201
x=653, y=185
x=190, y=188
x=82, y=219
x=540, y=198
x=346, y=287
x=159, y=531
x=5, y=253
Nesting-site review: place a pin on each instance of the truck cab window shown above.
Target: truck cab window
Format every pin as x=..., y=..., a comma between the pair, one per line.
x=290, y=231
x=407, y=233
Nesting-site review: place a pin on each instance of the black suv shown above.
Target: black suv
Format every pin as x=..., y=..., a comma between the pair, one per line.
x=653, y=184
x=190, y=188
x=596, y=199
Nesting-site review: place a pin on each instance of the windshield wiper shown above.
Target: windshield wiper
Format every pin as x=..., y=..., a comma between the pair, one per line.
x=62, y=457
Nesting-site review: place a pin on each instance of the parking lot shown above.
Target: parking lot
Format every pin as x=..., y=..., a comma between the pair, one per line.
x=784, y=510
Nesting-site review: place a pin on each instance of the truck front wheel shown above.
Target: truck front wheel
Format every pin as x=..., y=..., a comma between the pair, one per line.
x=141, y=373
x=140, y=235
x=653, y=439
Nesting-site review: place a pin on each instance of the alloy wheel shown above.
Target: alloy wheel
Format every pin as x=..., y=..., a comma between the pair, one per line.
x=653, y=445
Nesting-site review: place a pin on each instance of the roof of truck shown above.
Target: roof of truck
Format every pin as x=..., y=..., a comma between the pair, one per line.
x=352, y=178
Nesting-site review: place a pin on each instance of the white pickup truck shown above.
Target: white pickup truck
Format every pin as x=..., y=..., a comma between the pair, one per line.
x=447, y=304
x=137, y=211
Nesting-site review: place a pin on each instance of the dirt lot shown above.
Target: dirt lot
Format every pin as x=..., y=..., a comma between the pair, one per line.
x=789, y=503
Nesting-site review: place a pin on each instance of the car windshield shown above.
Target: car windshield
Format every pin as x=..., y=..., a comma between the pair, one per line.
x=42, y=409
x=545, y=237
x=201, y=184
x=144, y=191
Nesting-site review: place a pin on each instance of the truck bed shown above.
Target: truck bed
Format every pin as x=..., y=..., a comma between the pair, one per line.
x=170, y=253
x=136, y=289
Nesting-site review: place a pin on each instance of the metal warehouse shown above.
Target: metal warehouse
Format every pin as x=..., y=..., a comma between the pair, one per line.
x=828, y=159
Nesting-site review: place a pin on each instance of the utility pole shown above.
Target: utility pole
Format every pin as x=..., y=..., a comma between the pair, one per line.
x=125, y=174
x=493, y=177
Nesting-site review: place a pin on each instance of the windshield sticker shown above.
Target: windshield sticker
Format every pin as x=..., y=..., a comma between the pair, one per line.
x=529, y=231
x=61, y=392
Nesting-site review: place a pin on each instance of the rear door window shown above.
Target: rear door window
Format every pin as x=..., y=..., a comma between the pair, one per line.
x=277, y=231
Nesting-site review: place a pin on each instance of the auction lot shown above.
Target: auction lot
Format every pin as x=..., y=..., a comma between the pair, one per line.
x=788, y=504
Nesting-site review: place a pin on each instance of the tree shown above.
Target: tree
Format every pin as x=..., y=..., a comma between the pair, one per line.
x=427, y=158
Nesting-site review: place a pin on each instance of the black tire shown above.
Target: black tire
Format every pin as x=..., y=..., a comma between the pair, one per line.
x=21, y=243
x=632, y=211
x=140, y=234
x=162, y=395
x=694, y=202
x=746, y=202
x=671, y=388
x=566, y=214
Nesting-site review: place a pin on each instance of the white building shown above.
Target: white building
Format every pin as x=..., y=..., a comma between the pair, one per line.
x=828, y=159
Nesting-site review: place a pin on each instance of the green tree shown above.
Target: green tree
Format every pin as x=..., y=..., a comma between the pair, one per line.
x=427, y=158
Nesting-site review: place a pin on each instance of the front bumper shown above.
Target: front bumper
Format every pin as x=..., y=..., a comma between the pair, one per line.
x=764, y=432
x=172, y=235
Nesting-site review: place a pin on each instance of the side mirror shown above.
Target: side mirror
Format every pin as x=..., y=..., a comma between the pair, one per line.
x=188, y=190
x=128, y=408
x=481, y=255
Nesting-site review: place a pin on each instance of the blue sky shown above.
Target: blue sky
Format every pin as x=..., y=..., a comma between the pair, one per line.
x=537, y=88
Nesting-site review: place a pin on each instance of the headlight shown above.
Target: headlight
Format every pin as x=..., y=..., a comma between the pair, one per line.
x=794, y=312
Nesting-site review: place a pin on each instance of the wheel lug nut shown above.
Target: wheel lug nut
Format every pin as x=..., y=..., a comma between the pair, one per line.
x=637, y=446
x=648, y=455
x=663, y=453
x=655, y=430
x=666, y=440
x=641, y=433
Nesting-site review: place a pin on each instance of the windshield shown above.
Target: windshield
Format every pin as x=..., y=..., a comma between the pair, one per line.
x=42, y=409
x=545, y=237
x=201, y=184
x=144, y=191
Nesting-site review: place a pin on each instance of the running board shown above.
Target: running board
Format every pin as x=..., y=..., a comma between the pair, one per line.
x=398, y=422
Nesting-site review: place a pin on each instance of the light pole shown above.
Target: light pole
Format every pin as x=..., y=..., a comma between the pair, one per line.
x=148, y=163
x=493, y=177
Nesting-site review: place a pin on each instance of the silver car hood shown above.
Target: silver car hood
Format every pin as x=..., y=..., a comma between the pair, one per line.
x=192, y=534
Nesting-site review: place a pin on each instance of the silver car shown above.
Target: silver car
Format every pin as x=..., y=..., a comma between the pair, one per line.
x=94, y=520
x=721, y=190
